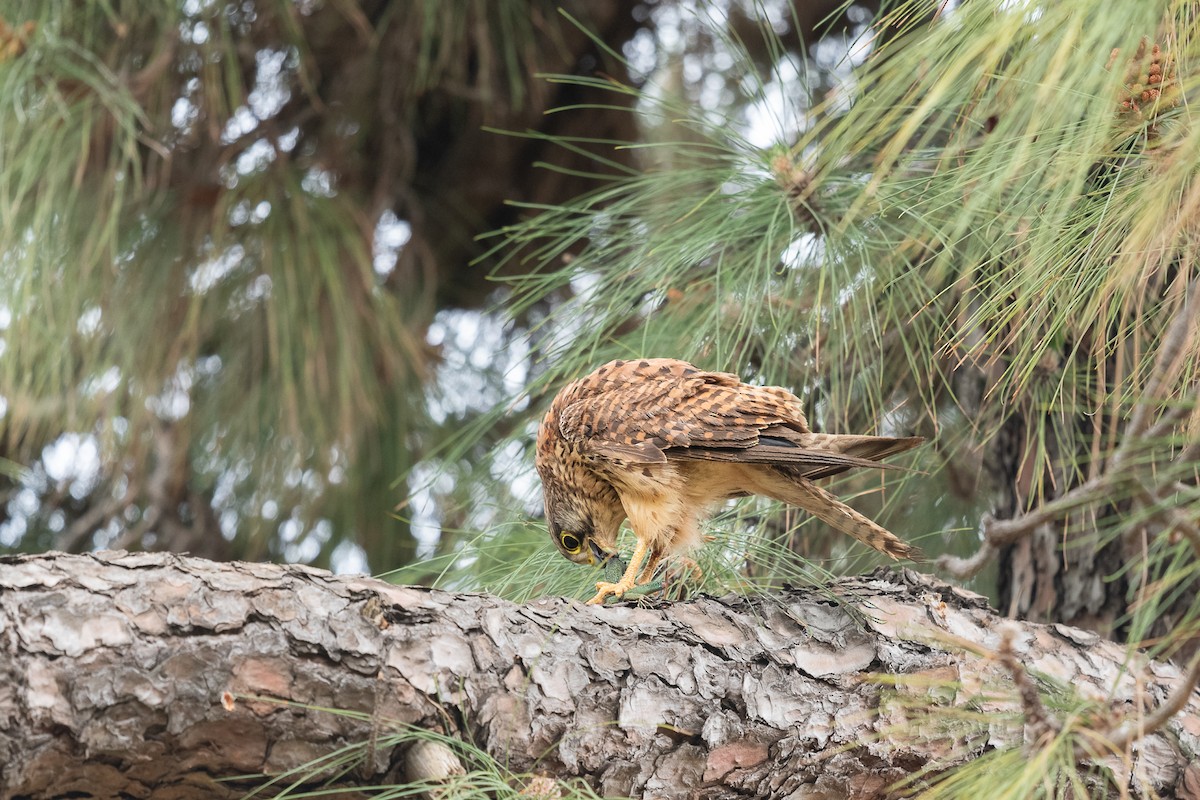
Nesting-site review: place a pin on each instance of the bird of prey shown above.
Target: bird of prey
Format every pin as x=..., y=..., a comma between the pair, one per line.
x=661, y=442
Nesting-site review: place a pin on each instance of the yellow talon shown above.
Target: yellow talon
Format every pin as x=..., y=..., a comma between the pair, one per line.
x=628, y=580
x=606, y=589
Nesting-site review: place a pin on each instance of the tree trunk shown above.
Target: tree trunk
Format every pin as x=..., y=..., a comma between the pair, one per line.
x=132, y=675
x=1060, y=572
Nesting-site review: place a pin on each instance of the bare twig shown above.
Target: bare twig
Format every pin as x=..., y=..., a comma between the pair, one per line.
x=1000, y=532
x=963, y=568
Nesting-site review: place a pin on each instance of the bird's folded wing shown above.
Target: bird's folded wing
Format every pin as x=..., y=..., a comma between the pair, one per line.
x=647, y=416
x=639, y=420
x=870, y=448
x=775, y=454
x=801, y=462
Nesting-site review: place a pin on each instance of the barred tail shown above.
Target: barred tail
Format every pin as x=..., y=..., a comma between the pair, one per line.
x=829, y=509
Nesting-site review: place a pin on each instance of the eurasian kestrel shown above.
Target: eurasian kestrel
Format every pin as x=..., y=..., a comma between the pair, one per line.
x=661, y=442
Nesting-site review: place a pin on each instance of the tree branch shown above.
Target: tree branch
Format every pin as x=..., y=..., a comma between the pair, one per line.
x=129, y=674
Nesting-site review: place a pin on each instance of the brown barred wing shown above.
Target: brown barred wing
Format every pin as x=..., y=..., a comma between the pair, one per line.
x=646, y=411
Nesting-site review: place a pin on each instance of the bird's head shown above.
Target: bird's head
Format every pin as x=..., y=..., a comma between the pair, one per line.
x=583, y=518
x=583, y=512
x=580, y=529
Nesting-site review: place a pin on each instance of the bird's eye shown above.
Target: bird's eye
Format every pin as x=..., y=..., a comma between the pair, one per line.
x=570, y=542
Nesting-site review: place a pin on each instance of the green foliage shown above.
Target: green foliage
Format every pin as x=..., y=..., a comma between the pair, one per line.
x=1047, y=772
x=482, y=777
x=993, y=745
x=187, y=276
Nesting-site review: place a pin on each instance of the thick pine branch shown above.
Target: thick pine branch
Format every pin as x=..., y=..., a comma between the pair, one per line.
x=129, y=674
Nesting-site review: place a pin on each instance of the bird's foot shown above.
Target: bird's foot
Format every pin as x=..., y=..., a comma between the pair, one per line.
x=672, y=583
x=628, y=580
x=614, y=570
x=604, y=590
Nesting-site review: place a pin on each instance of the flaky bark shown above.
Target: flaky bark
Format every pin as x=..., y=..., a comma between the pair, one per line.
x=114, y=668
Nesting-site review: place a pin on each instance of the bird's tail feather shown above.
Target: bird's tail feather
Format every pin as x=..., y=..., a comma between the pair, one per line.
x=829, y=509
x=872, y=448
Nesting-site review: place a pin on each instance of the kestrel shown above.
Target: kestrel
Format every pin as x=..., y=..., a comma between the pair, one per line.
x=661, y=442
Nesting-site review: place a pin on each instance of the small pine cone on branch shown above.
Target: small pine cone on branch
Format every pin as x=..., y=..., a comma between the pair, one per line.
x=796, y=182
x=1151, y=85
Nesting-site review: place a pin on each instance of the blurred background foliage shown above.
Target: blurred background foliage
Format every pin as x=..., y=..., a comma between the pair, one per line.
x=291, y=279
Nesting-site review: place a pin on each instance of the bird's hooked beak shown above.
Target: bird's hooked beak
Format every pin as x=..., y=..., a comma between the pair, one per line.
x=603, y=557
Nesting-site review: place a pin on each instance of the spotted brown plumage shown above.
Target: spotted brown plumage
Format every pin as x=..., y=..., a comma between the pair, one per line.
x=659, y=441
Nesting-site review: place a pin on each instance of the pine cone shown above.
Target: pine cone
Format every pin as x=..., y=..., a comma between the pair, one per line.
x=1151, y=85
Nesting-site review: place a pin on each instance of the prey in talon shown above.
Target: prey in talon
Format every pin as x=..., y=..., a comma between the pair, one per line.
x=661, y=443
